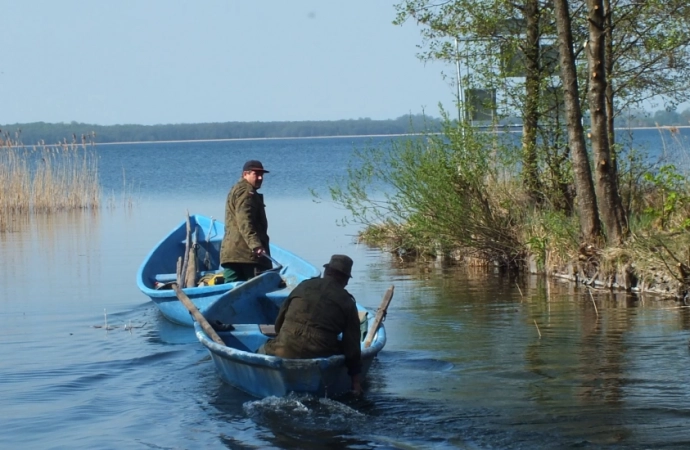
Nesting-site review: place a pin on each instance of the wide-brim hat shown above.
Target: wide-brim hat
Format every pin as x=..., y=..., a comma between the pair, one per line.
x=254, y=165
x=341, y=263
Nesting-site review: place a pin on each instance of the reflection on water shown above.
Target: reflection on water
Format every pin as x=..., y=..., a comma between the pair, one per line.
x=473, y=360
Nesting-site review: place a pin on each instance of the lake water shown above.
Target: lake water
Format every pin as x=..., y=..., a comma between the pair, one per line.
x=473, y=360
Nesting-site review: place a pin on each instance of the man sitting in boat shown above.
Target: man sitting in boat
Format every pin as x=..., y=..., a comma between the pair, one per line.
x=312, y=317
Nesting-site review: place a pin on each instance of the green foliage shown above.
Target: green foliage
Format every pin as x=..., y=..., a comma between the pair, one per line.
x=670, y=198
x=509, y=47
x=551, y=236
x=633, y=162
x=438, y=192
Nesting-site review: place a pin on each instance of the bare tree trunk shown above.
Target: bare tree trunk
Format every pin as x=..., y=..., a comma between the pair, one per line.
x=531, y=112
x=609, y=69
x=604, y=170
x=610, y=113
x=586, y=198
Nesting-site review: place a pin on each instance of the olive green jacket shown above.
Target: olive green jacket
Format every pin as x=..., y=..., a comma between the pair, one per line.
x=311, y=319
x=246, y=226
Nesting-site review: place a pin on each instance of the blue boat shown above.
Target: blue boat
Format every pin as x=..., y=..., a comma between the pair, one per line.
x=160, y=270
x=238, y=364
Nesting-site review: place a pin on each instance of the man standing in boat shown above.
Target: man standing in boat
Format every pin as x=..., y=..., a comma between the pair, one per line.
x=314, y=314
x=246, y=228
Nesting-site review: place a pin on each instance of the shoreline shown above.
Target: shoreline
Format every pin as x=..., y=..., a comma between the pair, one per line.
x=259, y=139
x=505, y=129
x=511, y=129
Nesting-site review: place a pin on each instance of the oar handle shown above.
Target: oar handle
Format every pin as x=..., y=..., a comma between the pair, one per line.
x=278, y=265
x=380, y=314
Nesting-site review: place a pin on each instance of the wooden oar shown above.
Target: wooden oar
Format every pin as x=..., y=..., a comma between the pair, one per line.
x=380, y=314
x=185, y=261
x=197, y=315
x=191, y=275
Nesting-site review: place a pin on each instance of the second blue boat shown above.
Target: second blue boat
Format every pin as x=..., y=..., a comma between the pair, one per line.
x=160, y=270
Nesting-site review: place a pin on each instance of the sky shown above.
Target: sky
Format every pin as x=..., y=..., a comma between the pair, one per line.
x=174, y=61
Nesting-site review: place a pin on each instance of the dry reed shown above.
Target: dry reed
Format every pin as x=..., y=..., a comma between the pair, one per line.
x=46, y=178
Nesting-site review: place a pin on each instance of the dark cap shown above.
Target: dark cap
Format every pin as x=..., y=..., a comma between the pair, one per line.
x=341, y=263
x=254, y=165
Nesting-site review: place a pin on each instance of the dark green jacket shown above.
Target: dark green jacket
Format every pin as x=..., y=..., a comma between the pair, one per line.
x=311, y=319
x=246, y=226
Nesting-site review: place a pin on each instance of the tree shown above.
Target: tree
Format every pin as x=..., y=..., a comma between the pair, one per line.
x=636, y=50
x=589, y=218
x=605, y=181
x=488, y=28
x=532, y=91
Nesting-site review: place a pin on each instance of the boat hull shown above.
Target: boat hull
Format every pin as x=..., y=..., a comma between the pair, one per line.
x=238, y=364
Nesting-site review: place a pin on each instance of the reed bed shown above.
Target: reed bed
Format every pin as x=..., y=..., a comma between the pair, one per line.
x=45, y=179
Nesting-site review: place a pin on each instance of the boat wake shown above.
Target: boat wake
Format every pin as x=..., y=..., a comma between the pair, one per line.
x=303, y=411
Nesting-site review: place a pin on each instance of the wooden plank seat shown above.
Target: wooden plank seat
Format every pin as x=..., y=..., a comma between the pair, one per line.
x=268, y=330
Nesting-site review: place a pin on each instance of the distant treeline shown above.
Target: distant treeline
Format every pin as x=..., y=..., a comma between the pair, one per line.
x=662, y=118
x=52, y=133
